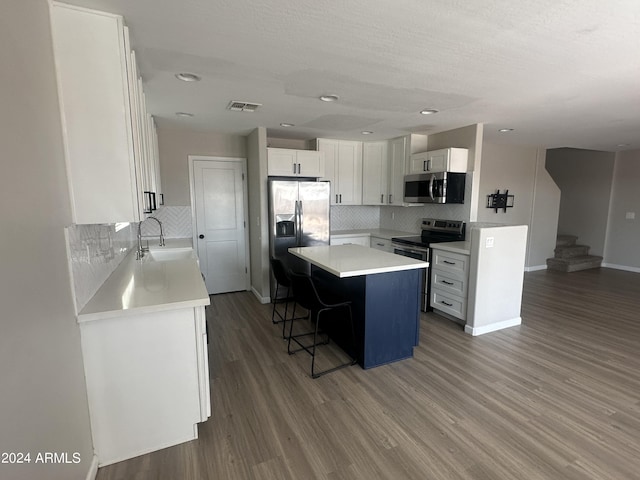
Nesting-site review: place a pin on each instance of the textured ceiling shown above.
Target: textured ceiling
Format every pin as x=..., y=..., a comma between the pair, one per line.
x=561, y=73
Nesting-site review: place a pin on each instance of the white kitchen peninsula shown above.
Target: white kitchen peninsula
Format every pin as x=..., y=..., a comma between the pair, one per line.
x=144, y=344
x=479, y=282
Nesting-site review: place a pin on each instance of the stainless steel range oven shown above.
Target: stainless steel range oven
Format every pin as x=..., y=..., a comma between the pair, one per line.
x=433, y=231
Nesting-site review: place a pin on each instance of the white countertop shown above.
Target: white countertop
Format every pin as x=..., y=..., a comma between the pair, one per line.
x=374, y=232
x=354, y=260
x=463, y=248
x=147, y=286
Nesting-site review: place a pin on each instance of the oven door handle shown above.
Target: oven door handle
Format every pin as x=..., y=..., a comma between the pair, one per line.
x=404, y=248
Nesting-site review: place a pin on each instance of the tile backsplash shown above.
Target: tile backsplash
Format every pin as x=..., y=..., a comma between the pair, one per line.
x=96, y=250
x=94, y=253
x=176, y=222
x=354, y=217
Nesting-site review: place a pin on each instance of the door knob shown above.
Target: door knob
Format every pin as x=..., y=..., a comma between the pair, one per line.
x=200, y=236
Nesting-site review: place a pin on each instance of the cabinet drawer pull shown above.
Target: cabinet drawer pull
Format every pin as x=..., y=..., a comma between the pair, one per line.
x=448, y=262
x=446, y=283
x=380, y=244
x=382, y=198
x=447, y=304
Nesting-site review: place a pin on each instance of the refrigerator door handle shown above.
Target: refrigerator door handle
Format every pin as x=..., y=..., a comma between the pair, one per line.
x=297, y=223
x=300, y=213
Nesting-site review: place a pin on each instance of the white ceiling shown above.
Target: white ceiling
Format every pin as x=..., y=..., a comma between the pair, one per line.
x=562, y=73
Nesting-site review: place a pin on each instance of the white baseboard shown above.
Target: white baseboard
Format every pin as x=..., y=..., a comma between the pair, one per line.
x=260, y=298
x=492, y=327
x=93, y=469
x=621, y=267
x=535, y=268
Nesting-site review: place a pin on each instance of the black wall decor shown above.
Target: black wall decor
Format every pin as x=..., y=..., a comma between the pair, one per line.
x=500, y=200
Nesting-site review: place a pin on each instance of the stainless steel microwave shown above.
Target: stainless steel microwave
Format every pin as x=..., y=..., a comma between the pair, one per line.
x=439, y=187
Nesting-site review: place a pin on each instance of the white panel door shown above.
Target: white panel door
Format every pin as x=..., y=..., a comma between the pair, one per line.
x=220, y=224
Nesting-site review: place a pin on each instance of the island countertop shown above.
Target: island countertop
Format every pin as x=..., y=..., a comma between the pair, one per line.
x=355, y=260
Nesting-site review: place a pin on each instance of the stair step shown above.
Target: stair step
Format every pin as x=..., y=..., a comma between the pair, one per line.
x=571, y=251
x=574, y=264
x=566, y=240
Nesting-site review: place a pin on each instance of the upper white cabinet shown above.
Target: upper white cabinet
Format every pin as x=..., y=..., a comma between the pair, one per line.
x=375, y=173
x=286, y=162
x=397, y=166
x=444, y=160
x=99, y=103
x=343, y=168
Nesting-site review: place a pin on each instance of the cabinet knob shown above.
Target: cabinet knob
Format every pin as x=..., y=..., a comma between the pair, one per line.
x=201, y=236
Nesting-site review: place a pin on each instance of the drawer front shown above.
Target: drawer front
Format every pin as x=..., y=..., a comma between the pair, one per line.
x=451, y=304
x=450, y=262
x=381, y=244
x=356, y=240
x=448, y=283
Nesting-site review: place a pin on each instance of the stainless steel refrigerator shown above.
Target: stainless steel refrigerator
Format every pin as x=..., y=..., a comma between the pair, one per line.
x=298, y=217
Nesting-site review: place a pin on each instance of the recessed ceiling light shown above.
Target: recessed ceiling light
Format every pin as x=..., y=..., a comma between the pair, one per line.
x=329, y=98
x=287, y=125
x=367, y=132
x=505, y=130
x=623, y=144
x=184, y=114
x=428, y=111
x=188, y=77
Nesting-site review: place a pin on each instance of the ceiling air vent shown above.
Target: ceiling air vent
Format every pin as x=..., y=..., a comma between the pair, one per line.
x=237, y=106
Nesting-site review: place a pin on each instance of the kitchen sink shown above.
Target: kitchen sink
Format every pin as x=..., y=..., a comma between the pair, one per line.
x=167, y=254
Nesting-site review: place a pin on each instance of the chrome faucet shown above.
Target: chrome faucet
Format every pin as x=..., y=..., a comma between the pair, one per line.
x=141, y=249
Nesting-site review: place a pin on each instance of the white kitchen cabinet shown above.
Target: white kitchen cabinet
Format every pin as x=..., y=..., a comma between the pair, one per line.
x=449, y=280
x=397, y=167
x=380, y=243
x=147, y=380
x=444, y=160
x=351, y=239
x=375, y=166
x=145, y=141
x=286, y=162
x=343, y=168
x=109, y=138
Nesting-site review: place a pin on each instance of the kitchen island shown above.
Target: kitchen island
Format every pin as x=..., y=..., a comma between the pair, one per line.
x=385, y=293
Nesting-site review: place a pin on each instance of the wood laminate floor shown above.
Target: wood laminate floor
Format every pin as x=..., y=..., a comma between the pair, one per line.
x=555, y=398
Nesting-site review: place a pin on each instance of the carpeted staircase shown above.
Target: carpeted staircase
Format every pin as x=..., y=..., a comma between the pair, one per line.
x=570, y=257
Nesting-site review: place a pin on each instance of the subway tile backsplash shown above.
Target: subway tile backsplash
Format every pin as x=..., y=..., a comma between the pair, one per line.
x=94, y=253
x=96, y=250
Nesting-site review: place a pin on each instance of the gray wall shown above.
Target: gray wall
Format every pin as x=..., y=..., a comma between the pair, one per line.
x=623, y=235
x=584, y=178
x=175, y=146
x=258, y=212
x=536, y=197
x=44, y=403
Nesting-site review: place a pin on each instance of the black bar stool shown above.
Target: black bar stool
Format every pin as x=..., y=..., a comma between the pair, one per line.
x=306, y=295
x=282, y=280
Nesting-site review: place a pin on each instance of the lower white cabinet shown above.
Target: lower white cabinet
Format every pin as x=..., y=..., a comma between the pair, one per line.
x=380, y=243
x=352, y=239
x=449, y=282
x=147, y=380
